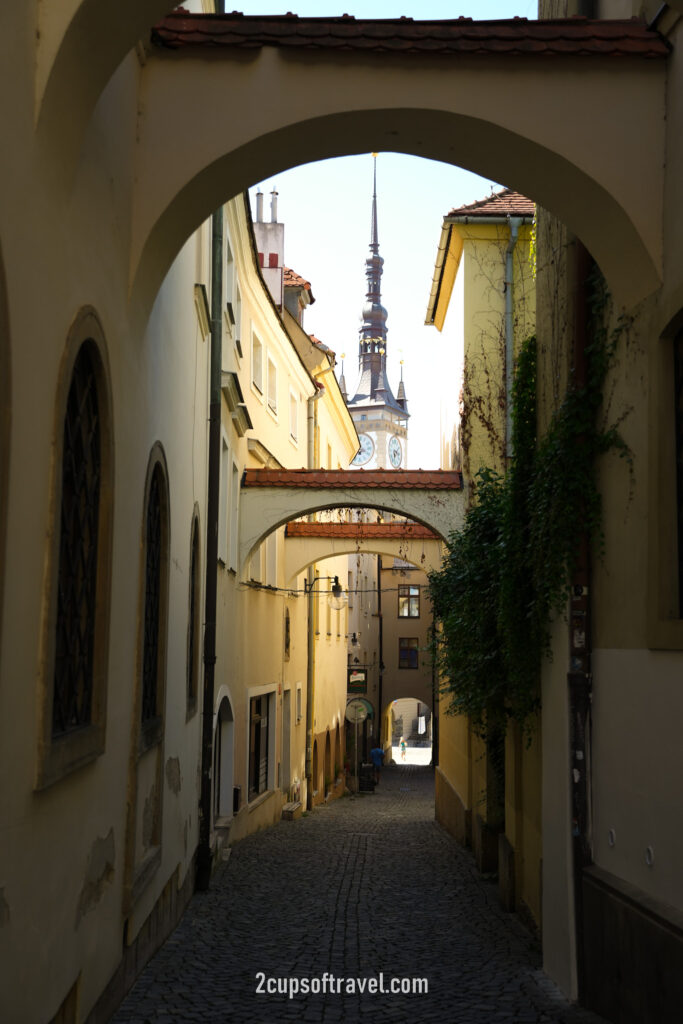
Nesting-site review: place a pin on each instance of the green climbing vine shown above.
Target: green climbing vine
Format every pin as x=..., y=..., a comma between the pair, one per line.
x=507, y=572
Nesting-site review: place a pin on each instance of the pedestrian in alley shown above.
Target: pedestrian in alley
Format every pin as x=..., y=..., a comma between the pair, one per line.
x=377, y=758
x=403, y=749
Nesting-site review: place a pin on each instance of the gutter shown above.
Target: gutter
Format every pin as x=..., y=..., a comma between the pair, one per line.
x=312, y=420
x=204, y=856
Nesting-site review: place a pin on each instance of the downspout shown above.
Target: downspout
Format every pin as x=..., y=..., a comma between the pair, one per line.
x=380, y=632
x=204, y=849
x=579, y=677
x=514, y=223
x=312, y=424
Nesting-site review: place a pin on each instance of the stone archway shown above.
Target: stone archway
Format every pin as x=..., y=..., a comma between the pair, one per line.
x=361, y=86
x=270, y=498
x=584, y=169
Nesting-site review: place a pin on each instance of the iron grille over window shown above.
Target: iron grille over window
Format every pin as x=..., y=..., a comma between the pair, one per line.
x=258, y=746
x=77, y=574
x=192, y=624
x=150, y=661
x=678, y=413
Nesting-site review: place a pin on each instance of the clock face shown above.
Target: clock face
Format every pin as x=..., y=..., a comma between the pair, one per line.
x=395, y=452
x=366, y=452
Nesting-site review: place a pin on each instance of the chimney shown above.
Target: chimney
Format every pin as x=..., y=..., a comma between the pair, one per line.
x=273, y=206
x=259, y=207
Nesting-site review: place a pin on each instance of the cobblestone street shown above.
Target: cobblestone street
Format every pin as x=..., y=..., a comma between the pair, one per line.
x=367, y=885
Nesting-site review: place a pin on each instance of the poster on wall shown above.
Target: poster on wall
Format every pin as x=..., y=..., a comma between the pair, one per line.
x=357, y=680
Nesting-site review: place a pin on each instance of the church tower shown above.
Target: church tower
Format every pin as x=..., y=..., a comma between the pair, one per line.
x=381, y=419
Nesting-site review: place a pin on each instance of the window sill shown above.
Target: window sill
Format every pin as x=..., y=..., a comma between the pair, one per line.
x=144, y=873
x=257, y=801
x=68, y=753
x=151, y=734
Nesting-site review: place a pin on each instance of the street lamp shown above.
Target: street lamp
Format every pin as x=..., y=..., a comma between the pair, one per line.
x=336, y=597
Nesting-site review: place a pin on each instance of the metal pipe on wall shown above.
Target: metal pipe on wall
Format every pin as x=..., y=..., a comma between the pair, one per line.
x=204, y=848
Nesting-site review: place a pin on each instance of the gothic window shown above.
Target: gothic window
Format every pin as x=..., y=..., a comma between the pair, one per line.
x=76, y=626
x=154, y=603
x=78, y=547
x=193, y=620
x=678, y=420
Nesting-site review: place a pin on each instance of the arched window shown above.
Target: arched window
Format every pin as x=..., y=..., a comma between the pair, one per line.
x=193, y=620
x=78, y=545
x=155, y=600
x=77, y=600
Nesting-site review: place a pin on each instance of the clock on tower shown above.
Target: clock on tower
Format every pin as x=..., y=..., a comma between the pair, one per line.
x=395, y=452
x=366, y=451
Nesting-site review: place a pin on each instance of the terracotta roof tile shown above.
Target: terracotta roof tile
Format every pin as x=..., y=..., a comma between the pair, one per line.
x=294, y=280
x=346, y=479
x=497, y=204
x=517, y=37
x=363, y=531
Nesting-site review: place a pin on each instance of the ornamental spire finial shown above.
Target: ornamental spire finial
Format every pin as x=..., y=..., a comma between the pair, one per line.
x=373, y=331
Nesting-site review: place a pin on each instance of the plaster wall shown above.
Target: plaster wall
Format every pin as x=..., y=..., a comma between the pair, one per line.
x=400, y=682
x=65, y=912
x=483, y=271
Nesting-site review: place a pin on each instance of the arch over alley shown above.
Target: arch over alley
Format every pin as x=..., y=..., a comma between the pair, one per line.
x=272, y=497
x=339, y=86
x=308, y=543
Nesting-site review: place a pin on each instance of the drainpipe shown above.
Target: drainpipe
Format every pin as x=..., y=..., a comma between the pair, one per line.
x=380, y=645
x=312, y=418
x=579, y=677
x=204, y=849
x=514, y=223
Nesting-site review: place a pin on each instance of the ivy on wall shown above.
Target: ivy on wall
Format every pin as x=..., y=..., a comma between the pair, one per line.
x=507, y=572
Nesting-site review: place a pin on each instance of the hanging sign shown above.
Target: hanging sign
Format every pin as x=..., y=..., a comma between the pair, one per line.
x=357, y=680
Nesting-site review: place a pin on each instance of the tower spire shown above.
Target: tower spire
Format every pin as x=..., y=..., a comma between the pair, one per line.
x=373, y=385
x=373, y=332
x=374, y=237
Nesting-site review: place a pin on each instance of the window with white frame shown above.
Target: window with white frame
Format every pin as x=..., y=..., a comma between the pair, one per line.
x=271, y=560
x=237, y=313
x=272, y=385
x=259, y=744
x=223, y=498
x=234, y=516
x=293, y=416
x=257, y=362
x=255, y=565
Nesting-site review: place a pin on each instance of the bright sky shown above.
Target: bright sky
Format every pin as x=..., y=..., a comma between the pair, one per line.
x=326, y=211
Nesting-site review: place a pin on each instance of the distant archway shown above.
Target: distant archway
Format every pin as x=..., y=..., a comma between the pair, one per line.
x=223, y=761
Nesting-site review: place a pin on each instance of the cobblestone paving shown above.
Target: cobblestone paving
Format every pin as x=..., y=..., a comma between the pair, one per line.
x=368, y=885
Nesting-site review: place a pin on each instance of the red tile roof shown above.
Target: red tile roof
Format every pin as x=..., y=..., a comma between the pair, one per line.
x=519, y=37
x=294, y=280
x=363, y=531
x=498, y=204
x=346, y=479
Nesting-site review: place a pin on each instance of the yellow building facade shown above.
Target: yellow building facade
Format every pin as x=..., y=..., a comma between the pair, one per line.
x=484, y=277
x=121, y=140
